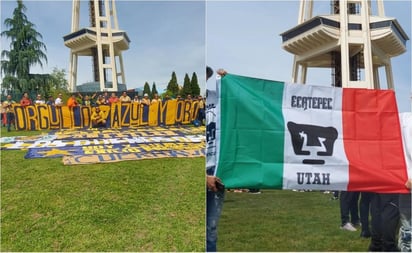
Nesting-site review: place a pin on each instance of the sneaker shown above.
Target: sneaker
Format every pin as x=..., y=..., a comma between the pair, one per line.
x=349, y=227
x=255, y=192
x=357, y=224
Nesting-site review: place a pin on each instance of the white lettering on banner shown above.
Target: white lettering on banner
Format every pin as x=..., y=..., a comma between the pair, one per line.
x=43, y=144
x=16, y=145
x=77, y=143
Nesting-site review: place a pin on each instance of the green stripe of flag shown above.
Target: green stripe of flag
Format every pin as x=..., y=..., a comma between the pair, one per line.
x=251, y=132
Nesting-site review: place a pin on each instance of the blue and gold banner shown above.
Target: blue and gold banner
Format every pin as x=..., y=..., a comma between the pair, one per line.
x=140, y=148
x=112, y=145
x=107, y=158
x=118, y=115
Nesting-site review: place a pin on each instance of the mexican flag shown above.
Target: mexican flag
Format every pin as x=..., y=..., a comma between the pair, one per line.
x=268, y=134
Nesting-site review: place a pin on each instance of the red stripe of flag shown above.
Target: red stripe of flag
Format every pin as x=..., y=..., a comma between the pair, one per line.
x=373, y=141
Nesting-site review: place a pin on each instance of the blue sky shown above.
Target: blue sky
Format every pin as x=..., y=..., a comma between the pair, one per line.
x=243, y=37
x=165, y=36
x=182, y=36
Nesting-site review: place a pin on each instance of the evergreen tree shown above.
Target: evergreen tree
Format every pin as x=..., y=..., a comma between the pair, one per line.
x=187, y=88
x=26, y=50
x=58, y=82
x=154, y=90
x=173, y=86
x=195, y=85
x=146, y=89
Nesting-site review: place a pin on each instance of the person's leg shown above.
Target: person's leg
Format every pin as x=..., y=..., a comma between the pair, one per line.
x=214, y=208
x=335, y=195
x=13, y=120
x=354, y=208
x=376, y=230
x=344, y=207
x=405, y=231
x=364, y=208
x=9, y=119
x=390, y=220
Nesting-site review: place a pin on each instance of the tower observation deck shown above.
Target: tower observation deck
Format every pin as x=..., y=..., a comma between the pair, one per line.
x=103, y=42
x=350, y=41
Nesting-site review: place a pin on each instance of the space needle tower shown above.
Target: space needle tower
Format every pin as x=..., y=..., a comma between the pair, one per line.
x=351, y=41
x=103, y=42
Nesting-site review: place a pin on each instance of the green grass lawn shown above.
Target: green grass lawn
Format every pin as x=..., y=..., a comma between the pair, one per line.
x=153, y=205
x=279, y=220
x=147, y=205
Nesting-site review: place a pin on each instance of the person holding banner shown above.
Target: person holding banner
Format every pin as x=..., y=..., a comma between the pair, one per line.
x=105, y=100
x=155, y=99
x=39, y=100
x=215, y=188
x=25, y=100
x=113, y=98
x=385, y=221
x=405, y=230
x=72, y=101
x=201, y=111
x=136, y=99
x=97, y=118
x=50, y=101
x=3, y=114
x=8, y=107
x=86, y=100
x=145, y=100
x=59, y=100
x=124, y=97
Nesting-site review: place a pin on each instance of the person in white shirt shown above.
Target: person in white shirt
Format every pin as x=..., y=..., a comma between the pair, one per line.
x=59, y=100
x=39, y=100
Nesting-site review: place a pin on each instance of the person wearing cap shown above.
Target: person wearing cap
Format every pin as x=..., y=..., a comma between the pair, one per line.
x=39, y=100
x=145, y=100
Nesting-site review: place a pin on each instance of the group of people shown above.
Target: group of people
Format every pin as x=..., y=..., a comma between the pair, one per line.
x=102, y=99
x=390, y=213
x=95, y=100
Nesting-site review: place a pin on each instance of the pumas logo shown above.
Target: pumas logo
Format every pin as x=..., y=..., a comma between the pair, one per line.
x=312, y=141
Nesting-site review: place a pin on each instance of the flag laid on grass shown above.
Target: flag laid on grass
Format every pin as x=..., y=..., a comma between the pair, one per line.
x=289, y=136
